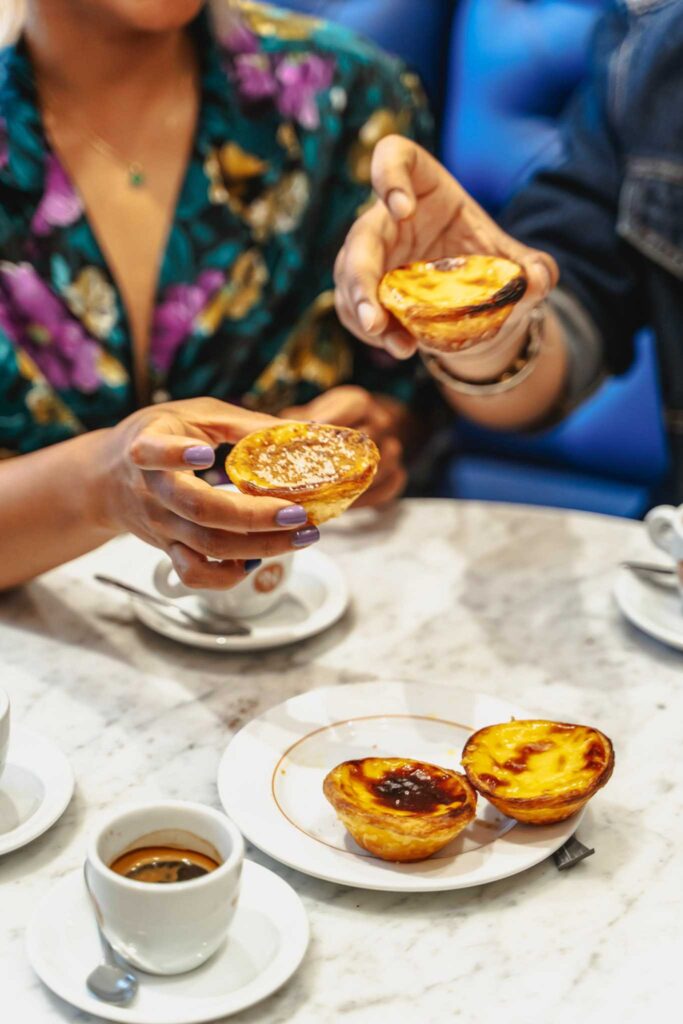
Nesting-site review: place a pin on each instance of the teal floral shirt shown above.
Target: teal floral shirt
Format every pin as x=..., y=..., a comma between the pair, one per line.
x=291, y=109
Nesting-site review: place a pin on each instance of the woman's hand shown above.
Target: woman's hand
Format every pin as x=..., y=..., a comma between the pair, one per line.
x=384, y=419
x=421, y=213
x=151, y=491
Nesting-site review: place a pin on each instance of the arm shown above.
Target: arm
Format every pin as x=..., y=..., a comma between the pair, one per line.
x=569, y=214
x=64, y=500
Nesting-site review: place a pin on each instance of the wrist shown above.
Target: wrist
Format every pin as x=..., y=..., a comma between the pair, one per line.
x=97, y=472
x=485, y=361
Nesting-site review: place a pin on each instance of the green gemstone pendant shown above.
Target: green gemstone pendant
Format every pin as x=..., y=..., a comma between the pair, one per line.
x=136, y=176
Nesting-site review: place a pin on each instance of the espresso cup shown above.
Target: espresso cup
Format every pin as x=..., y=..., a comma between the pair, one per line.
x=4, y=728
x=256, y=594
x=165, y=928
x=665, y=529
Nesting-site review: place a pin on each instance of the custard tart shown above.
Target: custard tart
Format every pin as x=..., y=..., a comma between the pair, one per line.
x=398, y=809
x=321, y=467
x=451, y=303
x=538, y=772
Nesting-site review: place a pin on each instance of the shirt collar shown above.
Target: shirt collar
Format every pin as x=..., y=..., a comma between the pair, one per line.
x=21, y=130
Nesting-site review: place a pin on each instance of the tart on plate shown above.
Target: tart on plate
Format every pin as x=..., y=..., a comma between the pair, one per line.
x=399, y=809
x=536, y=771
x=321, y=467
x=451, y=303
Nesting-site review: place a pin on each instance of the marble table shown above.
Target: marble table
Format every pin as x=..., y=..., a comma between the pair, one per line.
x=507, y=600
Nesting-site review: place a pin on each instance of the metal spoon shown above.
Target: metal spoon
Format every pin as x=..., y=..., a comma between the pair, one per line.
x=660, y=575
x=109, y=981
x=211, y=623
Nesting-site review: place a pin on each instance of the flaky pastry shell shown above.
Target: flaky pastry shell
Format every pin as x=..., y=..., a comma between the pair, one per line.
x=321, y=467
x=451, y=303
x=536, y=771
x=399, y=809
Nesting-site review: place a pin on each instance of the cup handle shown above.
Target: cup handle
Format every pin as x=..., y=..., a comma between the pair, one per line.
x=162, y=572
x=660, y=527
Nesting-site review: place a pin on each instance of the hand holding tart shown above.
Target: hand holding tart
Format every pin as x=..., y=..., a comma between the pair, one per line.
x=321, y=467
x=399, y=809
x=449, y=304
x=536, y=771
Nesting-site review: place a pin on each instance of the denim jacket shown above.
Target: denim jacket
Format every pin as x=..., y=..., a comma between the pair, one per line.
x=611, y=212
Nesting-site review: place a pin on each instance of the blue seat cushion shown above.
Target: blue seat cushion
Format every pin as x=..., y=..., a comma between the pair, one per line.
x=489, y=479
x=508, y=86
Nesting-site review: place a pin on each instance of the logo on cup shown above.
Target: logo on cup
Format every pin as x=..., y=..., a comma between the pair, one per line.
x=268, y=578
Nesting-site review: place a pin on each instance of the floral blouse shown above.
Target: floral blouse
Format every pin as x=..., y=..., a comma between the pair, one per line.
x=290, y=111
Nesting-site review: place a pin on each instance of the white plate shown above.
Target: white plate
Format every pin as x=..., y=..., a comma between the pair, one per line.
x=270, y=783
x=657, y=610
x=35, y=788
x=267, y=942
x=317, y=596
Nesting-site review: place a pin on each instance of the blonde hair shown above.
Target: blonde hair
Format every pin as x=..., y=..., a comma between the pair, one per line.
x=13, y=18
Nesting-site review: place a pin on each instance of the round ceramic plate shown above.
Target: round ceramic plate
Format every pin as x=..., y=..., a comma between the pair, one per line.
x=35, y=788
x=317, y=596
x=655, y=609
x=267, y=942
x=270, y=783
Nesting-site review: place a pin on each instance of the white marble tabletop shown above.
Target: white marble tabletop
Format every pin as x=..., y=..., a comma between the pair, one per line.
x=505, y=600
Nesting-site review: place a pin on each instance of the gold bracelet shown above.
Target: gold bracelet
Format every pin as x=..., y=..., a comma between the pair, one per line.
x=510, y=378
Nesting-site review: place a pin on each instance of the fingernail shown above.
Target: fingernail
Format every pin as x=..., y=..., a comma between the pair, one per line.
x=251, y=564
x=199, y=455
x=302, y=538
x=399, y=204
x=295, y=515
x=366, y=315
x=396, y=348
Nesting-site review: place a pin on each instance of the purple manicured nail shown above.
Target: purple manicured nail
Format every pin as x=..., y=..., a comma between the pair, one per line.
x=251, y=564
x=199, y=455
x=302, y=538
x=295, y=515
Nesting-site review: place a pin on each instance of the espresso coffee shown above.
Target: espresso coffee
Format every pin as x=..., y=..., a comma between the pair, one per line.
x=162, y=865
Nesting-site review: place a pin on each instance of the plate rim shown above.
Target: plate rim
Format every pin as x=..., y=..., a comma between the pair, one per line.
x=293, y=927
x=51, y=809
x=335, y=603
x=413, y=883
x=646, y=624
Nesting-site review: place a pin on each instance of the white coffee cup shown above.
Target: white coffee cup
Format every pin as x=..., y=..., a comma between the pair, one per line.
x=4, y=728
x=256, y=594
x=165, y=928
x=665, y=528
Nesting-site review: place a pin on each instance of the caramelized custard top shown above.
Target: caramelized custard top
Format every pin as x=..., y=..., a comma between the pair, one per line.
x=402, y=785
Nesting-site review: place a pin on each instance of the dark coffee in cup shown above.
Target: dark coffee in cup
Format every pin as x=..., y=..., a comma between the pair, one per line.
x=162, y=865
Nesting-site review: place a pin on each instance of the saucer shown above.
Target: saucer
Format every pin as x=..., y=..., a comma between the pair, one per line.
x=267, y=942
x=656, y=610
x=317, y=595
x=271, y=774
x=35, y=788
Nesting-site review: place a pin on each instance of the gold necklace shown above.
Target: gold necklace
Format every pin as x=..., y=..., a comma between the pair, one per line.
x=135, y=172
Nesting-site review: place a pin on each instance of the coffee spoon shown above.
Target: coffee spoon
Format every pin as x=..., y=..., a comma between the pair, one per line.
x=660, y=575
x=109, y=981
x=211, y=623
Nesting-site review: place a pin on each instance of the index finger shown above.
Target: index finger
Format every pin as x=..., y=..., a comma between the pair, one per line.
x=195, y=500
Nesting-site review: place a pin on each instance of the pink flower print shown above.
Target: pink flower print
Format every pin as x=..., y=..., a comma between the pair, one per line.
x=300, y=80
x=59, y=205
x=254, y=77
x=35, y=319
x=174, y=317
